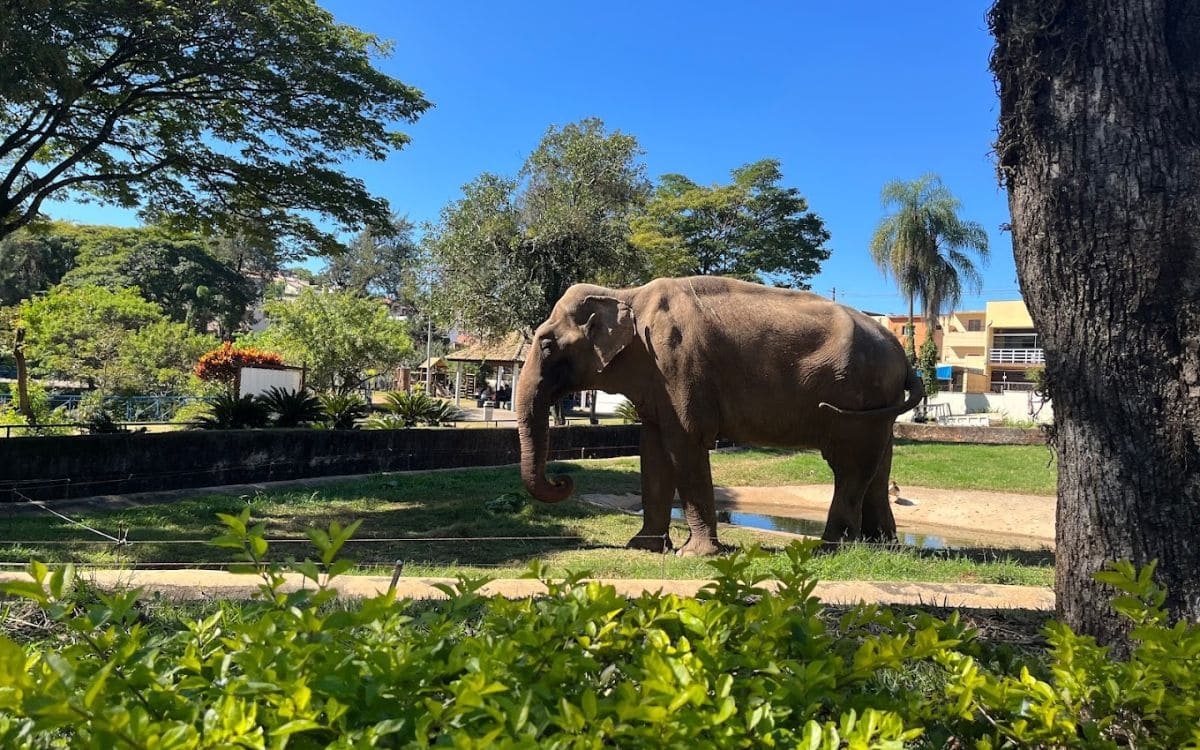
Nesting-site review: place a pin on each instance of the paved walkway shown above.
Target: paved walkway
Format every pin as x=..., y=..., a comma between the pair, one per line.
x=186, y=585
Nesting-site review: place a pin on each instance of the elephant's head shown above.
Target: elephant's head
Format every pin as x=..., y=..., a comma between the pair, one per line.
x=583, y=335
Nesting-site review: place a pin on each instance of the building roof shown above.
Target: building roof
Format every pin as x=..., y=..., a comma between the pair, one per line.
x=439, y=363
x=512, y=349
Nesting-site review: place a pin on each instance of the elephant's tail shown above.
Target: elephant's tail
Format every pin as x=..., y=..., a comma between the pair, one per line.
x=916, y=392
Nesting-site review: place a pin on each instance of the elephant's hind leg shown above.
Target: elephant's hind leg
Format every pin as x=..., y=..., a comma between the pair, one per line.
x=878, y=523
x=658, y=493
x=694, y=474
x=854, y=459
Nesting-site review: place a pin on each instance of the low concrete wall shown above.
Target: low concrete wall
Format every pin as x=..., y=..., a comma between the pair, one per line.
x=936, y=433
x=1015, y=405
x=51, y=468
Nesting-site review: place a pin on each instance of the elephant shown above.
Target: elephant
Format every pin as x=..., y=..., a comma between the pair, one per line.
x=707, y=357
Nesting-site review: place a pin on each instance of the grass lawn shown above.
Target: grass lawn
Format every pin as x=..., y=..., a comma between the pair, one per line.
x=1024, y=469
x=410, y=509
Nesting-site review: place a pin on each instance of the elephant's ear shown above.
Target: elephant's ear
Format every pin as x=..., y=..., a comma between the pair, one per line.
x=610, y=326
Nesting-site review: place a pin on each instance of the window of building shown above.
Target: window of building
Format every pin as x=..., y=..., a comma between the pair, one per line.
x=1015, y=340
x=975, y=325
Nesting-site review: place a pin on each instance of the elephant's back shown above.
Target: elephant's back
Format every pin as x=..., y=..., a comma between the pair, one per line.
x=768, y=357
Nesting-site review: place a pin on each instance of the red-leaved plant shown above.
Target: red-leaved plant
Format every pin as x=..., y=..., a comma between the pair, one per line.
x=223, y=363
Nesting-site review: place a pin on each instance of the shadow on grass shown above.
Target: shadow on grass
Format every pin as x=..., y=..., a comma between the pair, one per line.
x=398, y=509
x=404, y=509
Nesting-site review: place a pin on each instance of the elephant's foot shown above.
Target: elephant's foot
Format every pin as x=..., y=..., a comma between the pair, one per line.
x=700, y=546
x=879, y=535
x=651, y=543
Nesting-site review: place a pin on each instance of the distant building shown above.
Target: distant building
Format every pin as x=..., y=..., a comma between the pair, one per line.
x=1013, y=347
x=980, y=351
x=898, y=325
x=280, y=287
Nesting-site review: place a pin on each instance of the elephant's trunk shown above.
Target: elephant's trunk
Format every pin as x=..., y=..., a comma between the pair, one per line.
x=533, y=427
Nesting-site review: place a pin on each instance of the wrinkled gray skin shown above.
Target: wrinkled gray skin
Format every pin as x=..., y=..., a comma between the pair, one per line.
x=707, y=357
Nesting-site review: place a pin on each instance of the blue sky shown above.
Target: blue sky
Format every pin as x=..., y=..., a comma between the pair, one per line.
x=846, y=94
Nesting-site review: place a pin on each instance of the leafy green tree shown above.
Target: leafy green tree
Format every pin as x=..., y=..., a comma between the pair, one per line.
x=505, y=252
x=215, y=114
x=160, y=357
x=114, y=341
x=752, y=228
x=383, y=261
x=253, y=254
x=175, y=271
x=928, y=363
x=33, y=261
x=338, y=336
x=925, y=245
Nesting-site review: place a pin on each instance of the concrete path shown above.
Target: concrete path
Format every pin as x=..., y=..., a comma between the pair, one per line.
x=184, y=585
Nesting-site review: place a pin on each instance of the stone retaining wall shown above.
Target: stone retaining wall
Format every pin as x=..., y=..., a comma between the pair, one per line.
x=936, y=433
x=51, y=468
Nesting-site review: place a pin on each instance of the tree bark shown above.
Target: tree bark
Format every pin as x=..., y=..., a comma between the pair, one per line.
x=1099, y=147
x=24, y=408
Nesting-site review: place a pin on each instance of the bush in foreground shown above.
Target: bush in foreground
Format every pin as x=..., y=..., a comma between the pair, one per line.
x=743, y=665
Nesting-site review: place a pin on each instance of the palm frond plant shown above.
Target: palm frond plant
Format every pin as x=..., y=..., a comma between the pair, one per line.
x=292, y=408
x=100, y=421
x=229, y=412
x=403, y=410
x=444, y=413
x=411, y=409
x=628, y=412
x=343, y=410
x=926, y=246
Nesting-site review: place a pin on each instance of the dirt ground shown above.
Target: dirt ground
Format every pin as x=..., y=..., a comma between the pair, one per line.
x=207, y=584
x=991, y=519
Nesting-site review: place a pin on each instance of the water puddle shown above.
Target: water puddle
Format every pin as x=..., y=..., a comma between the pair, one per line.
x=814, y=528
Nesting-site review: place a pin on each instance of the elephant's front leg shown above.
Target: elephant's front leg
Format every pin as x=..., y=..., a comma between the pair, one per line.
x=658, y=493
x=694, y=476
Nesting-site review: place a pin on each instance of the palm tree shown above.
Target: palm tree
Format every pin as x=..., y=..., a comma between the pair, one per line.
x=924, y=244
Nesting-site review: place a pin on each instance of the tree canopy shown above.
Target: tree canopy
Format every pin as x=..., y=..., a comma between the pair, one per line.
x=111, y=340
x=34, y=261
x=507, y=250
x=384, y=261
x=234, y=114
x=339, y=336
x=176, y=271
x=752, y=228
x=924, y=244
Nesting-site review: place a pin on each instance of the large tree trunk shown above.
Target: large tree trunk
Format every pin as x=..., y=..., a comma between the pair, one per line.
x=1100, y=149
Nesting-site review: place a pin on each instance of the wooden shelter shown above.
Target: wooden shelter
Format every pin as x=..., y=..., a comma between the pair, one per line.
x=506, y=355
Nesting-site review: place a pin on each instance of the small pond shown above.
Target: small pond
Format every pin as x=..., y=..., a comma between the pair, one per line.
x=814, y=528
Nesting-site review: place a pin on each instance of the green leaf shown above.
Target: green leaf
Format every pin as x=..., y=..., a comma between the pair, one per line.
x=97, y=686
x=294, y=726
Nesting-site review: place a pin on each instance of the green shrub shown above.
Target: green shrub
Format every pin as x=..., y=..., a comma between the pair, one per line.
x=741, y=665
x=192, y=412
x=291, y=408
x=628, y=412
x=342, y=410
x=411, y=409
x=229, y=412
x=39, y=404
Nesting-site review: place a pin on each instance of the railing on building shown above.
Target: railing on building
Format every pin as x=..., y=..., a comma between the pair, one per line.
x=1011, y=385
x=1017, y=356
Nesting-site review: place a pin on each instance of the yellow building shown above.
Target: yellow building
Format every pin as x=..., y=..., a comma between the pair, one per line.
x=990, y=349
x=964, y=350
x=1013, y=346
x=981, y=351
